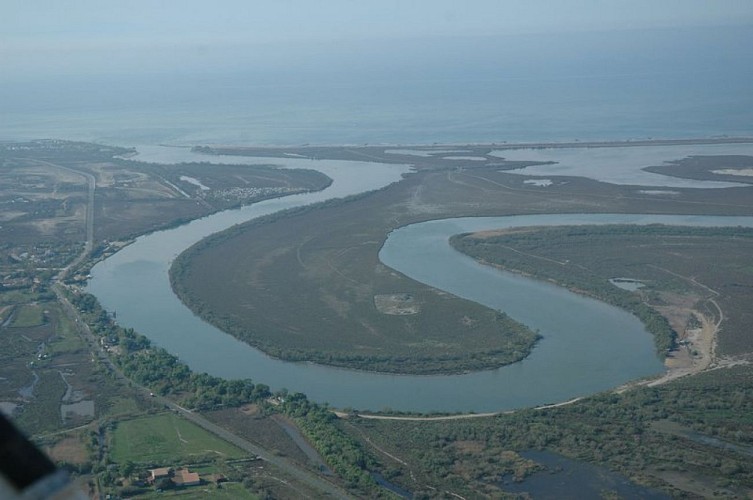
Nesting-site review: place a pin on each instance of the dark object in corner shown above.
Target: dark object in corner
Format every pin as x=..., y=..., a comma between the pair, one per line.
x=25, y=472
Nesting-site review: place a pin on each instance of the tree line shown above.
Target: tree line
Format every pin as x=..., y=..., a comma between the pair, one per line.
x=165, y=374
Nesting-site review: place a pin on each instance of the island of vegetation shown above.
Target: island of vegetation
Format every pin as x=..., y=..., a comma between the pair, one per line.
x=350, y=310
x=248, y=279
x=592, y=259
x=89, y=390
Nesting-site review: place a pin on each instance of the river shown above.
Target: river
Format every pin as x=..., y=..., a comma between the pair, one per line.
x=587, y=346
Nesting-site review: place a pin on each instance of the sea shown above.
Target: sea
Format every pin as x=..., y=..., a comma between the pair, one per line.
x=640, y=84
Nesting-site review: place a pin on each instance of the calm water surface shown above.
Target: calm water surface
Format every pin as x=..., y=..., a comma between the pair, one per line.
x=662, y=83
x=622, y=165
x=587, y=345
x=566, y=479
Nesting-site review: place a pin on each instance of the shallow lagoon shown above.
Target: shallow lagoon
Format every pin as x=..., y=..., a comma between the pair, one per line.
x=570, y=479
x=622, y=165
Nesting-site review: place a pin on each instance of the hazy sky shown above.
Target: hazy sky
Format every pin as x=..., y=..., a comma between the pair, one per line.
x=36, y=34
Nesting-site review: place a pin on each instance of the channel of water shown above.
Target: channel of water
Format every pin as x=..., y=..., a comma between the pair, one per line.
x=587, y=346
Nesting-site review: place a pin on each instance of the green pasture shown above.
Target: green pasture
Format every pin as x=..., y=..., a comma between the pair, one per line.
x=28, y=316
x=229, y=491
x=166, y=439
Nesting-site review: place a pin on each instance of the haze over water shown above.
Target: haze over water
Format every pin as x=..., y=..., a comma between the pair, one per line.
x=169, y=72
x=681, y=82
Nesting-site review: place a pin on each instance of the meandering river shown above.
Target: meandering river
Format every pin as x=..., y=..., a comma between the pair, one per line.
x=587, y=346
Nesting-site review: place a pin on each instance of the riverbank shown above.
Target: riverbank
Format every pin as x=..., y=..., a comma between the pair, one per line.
x=368, y=153
x=344, y=317
x=472, y=190
x=676, y=291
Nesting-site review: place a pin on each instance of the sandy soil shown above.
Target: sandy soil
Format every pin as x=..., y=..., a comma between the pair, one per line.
x=745, y=172
x=400, y=304
x=695, y=353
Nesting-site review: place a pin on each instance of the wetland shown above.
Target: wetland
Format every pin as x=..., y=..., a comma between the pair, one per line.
x=325, y=234
x=679, y=433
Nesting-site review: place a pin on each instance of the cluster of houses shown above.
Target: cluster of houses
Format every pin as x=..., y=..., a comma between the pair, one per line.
x=12, y=281
x=181, y=477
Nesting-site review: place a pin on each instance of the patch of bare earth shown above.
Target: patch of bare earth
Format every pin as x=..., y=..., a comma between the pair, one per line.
x=398, y=304
x=250, y=410
x=696, y=346
x=469, y=447
x=418, y=205
x=70, y=450
x=696, y=351
x=65, y=224
x=694, y=354
x=745, y=172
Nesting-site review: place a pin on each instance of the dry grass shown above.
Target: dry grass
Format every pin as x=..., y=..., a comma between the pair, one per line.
x=70, y=450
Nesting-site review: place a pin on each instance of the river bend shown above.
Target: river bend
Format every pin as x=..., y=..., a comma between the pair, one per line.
x=587, y=346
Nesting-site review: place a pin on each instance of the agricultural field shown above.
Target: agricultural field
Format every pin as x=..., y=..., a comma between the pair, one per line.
x=131, y=193
x=166, y=439
x=27, y=316
x=226, y=491
x=44, y=193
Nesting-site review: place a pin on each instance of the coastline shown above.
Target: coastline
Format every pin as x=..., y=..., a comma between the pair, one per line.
x=274, y=150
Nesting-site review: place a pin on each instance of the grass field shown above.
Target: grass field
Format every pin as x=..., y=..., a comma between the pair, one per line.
x=228, y=491
x=166, y=439
x=28, y=316
x=12, y=297
x=67, y=340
